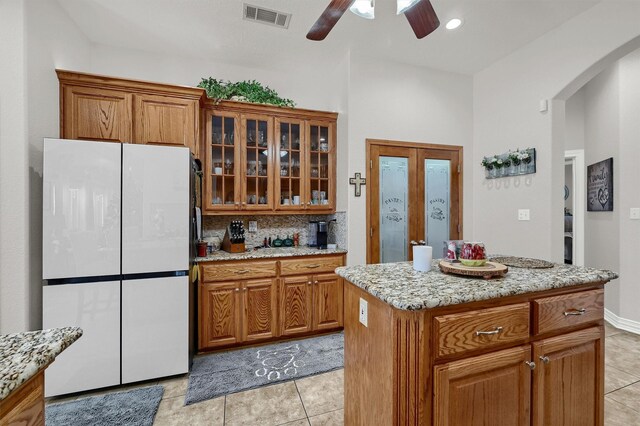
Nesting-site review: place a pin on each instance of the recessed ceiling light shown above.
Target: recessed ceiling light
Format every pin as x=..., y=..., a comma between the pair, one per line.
x=454, y=23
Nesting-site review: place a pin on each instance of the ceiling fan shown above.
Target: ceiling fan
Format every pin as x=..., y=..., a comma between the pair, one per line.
x=419, y=13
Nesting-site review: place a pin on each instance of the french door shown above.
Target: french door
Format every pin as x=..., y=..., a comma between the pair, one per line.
x=414, y=195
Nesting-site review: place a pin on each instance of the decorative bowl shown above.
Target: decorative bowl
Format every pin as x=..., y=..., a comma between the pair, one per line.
x=470, y=262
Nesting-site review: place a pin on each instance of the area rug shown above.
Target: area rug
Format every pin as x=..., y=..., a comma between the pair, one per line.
x=136, y=407
x=234, y=371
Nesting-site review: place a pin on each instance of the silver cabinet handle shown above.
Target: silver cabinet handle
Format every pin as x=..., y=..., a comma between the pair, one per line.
x=316, y=282
x=309, y=282
x=413, y=243
x=422, y=242
x=531, y=364
x=497, y=330
x=242, y=271
x=575, y=312
x=314, y=266
x=237, y=290
x=544, y=359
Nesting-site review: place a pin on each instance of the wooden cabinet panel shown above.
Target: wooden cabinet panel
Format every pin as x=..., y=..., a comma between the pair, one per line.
x=310, y=265
x=260, y=309
x=462, y=332
x=216, y=271
x=257, y=156
x=568, y=384
x=96, y=114
x=568, y=310
x=165, y=120
x=296, y=295
x=492, y=389
x=327, y=302
x=219, y=314
x=25, y=405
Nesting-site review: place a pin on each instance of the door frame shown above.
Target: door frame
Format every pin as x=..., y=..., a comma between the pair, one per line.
x=371, y=143
x=575, y=158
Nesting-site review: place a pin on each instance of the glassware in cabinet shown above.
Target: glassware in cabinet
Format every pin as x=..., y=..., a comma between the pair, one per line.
x=221, y=162
x=289, y=164
x=257, y=164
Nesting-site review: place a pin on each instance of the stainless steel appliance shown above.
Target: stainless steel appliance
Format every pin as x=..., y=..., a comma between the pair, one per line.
x=312, y=236
x=322, y=234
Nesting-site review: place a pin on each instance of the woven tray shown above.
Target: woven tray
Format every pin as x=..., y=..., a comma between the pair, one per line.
x=523, y=262
x=488, y=271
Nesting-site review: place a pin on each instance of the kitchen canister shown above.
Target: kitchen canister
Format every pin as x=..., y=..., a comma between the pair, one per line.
x=422, y=256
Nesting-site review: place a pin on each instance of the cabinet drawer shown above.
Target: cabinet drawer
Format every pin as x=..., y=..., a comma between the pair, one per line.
x=238, y=271
x=558, y=312
x=310, y=265
x=484, y=328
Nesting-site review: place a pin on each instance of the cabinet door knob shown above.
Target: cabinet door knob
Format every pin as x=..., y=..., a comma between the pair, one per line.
x=497, y=330
x=237, y=289
x=316, y=282
x=581, y=311
x=413, y=243
x=309, y=283
x=531, y=364
x=544, y=359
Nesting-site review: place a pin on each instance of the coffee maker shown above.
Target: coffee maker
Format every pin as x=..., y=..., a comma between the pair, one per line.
x=318, y=234
x=321, y=236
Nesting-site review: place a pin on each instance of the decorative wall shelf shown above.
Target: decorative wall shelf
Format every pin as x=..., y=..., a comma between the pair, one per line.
x=512, y=163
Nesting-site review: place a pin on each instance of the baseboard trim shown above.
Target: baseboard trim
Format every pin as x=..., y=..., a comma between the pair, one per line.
x=621, y=323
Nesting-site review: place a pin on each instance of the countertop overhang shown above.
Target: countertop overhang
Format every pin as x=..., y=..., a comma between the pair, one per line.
x=400, y=286
x=23, y=355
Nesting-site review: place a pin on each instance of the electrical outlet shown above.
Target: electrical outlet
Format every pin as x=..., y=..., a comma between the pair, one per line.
x=364, y=312
x=523, y=214
x=634, y=213
x=253, y=226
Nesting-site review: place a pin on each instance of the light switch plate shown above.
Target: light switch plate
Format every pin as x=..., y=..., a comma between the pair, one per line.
x=523, y=214
x=634, y=213
x=364, y=312
x=253, y=226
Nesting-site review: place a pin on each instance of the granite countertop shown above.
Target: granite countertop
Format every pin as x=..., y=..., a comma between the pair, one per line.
x=399, y=285
x=23, y=355
x=268, y=253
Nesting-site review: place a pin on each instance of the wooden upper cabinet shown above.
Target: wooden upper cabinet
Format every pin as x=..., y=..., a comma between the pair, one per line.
x=103, y=108
x=96, y=114
x=568, y=384
x=284, y=159
x=165, y=120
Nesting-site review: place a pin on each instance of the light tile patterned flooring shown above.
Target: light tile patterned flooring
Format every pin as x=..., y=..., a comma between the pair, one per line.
x=318, y=400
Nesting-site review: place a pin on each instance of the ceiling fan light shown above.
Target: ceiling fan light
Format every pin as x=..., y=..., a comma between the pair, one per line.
x=453, y=23
x=404, y=5
x=363, y=8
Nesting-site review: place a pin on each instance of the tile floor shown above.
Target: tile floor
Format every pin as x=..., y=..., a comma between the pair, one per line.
x=318, y=400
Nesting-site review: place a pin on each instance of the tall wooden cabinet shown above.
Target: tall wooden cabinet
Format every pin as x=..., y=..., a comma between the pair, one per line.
x=100, y=108
x=261, y=159
x=258, y=300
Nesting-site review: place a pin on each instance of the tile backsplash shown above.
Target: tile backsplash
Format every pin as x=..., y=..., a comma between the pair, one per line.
x=278, y=225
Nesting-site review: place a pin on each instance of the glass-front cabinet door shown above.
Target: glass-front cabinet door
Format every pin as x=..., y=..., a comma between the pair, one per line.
x=257, y=173
x=320, y=173
x=290, y=162
x=221, y=162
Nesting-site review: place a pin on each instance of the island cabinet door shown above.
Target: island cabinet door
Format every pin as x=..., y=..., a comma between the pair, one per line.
x=568, y=384
x=296, y=296
x=260, y=309
x=220, y=320
x=327, y=302
x=492, y=389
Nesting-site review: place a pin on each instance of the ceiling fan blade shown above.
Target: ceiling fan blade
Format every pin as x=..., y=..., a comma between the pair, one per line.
x=422, y=18
x=328, y=19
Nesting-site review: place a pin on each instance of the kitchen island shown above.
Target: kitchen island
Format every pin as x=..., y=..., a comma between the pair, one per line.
x=23, y=359
x=426, y=348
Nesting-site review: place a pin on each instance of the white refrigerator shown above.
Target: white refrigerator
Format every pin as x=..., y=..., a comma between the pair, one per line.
x=116, y=238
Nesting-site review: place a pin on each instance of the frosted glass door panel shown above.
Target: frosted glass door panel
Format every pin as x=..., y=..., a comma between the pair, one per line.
x=80, y=209
x=155, y=208
x=394, y=198
x=437, y=197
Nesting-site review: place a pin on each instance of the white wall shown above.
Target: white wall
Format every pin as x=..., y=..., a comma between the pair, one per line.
x=602, y=127
x=574, y=121
x=506, y=116
x=405, y=103
x=42, y=39
x=628, y=192
x=14, y=223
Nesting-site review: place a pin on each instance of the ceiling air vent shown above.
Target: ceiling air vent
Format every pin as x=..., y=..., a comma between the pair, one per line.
x=266, y=16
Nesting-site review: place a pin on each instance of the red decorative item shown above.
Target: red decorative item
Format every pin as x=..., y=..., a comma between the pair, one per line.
x=473, y=251
x=201, y=247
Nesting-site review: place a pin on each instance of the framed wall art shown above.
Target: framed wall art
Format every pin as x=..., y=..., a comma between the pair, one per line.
x=600, y=186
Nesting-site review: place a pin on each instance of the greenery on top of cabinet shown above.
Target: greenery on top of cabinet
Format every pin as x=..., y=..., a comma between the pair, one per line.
x=244, y=91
